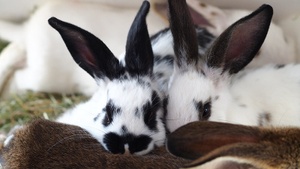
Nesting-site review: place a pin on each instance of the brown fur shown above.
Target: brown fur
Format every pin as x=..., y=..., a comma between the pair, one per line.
x=46, y=144
x=260, y=147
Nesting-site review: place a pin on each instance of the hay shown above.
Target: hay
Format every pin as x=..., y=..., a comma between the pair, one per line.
x=22, y=108
x=2, y=45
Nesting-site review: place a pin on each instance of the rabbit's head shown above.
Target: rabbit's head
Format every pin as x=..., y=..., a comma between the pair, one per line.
x=198, y=89
x=215, y=145
x=127, y=110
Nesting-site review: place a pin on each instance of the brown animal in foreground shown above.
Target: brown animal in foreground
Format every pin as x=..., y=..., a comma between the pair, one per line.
x=224, y=145
x=46, y=144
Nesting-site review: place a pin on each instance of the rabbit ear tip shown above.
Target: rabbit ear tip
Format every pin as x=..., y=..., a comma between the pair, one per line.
x=267, y=7
x=52, y=21
x=145, y=7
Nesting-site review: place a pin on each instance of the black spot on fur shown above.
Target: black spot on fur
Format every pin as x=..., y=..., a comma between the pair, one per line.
x=124, y=129
x=150, y=109
x=142, y=82
x=136, y=112
x=202, y=72
x=203, y=36
x=279, y=66
x=165, y=111
x=159, y=75
x=168, y=59
x=123, y=77
x=110, y=111
x=165, y=104
x=115, y=143
x=96, y=118
x=204, y=110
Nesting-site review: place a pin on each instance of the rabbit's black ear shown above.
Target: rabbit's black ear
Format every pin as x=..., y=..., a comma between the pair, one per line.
x=199, y=138
x=184, y=34
x=89, y=52
x=238, y=44
x=139, y=55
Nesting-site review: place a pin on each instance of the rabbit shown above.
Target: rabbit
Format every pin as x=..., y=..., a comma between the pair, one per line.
x=126, y=113
x=42, y=144
x=45, y=58
x=215, y=87
x=217, y=145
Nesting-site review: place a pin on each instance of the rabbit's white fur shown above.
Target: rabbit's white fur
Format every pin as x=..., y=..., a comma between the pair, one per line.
x=47, y=67
x=266, y=96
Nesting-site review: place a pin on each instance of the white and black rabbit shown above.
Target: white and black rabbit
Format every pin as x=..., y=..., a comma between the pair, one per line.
x=126, y=113
x=213, y=86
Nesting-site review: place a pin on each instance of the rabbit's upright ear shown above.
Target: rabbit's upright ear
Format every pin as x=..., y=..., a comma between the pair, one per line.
x=199, y=138
x=184, y=34
x=139, y=55
x=239, y=43
x=89, y=52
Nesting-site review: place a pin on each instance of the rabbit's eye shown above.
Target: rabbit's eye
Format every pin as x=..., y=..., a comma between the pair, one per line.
x=107, y=119
x=204, y=110
x=110, y=110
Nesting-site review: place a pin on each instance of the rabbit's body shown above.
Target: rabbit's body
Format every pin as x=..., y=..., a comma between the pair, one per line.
x=265, y=97
x=214, y=87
